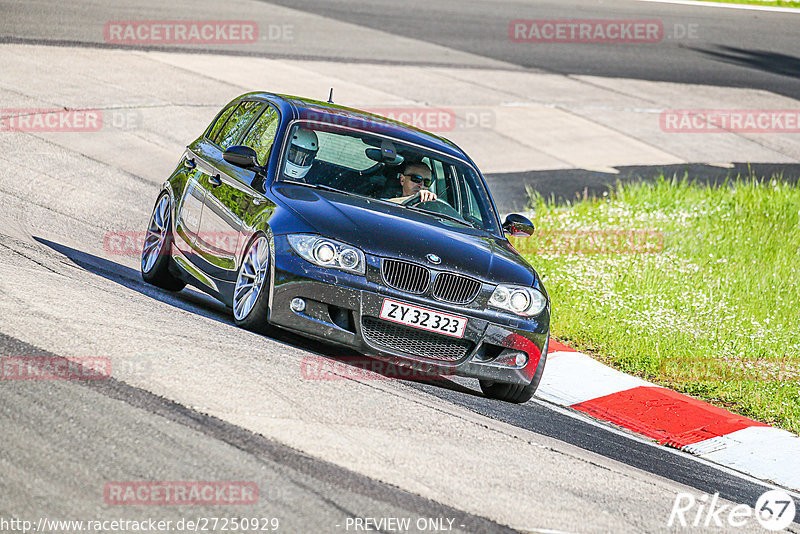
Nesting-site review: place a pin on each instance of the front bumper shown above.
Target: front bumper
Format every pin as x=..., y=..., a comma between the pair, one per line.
x=344, y=308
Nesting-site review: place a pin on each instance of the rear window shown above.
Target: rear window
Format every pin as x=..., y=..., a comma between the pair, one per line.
x=262, y=134
x=237, y=123
x=220, y=122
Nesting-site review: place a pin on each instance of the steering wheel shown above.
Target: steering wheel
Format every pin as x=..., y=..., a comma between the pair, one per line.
x=434, y=206
x=412, y=200
x=417, y=199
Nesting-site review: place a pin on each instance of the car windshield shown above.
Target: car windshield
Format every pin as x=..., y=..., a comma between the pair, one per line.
x=368, y=165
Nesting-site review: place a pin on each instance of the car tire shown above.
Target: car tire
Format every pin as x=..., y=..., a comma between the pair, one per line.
x=157, y=247
x=515, y=393
x=250, y=311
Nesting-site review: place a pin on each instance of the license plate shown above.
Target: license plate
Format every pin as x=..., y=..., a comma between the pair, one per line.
x=432, y=321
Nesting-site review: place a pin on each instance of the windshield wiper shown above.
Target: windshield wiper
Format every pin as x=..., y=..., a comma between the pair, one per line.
x=442, y=216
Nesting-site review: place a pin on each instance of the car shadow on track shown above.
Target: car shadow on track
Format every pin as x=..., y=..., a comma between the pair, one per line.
x=188, y=300
x=765, y=60
x=329, y=363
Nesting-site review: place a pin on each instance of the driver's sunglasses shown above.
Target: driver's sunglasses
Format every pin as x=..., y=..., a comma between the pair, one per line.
x=417, y=179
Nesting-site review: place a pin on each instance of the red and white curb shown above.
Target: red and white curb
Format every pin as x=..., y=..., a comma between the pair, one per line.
x=582, y=383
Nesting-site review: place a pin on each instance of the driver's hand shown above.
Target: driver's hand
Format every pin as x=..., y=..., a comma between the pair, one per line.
x=426, y=196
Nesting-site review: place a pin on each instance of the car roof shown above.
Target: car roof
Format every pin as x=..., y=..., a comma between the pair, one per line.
x=309, y=109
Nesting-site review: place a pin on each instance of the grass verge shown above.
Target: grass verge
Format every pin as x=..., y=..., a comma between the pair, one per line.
x=776, y=3
x=688, y=286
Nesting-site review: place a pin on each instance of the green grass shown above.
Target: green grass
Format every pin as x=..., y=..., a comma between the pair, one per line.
x=713, y=310
x=776, y=3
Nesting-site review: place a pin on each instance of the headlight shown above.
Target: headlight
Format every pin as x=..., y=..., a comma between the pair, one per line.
x=517, y=299
x=328, y=253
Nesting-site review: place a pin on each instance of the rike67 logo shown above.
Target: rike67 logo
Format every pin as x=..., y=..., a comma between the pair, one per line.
x=774, y=510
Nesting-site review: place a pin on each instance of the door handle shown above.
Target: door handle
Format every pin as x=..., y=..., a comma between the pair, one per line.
x=189, y=163
x=215, y=180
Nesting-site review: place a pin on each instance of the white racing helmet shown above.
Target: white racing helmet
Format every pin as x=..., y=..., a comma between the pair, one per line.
x=302, y=151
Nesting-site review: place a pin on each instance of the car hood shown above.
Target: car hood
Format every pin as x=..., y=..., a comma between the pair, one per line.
x=389, y=230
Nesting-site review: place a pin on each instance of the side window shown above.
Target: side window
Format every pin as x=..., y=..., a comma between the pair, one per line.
x=262, y=134
x=223, y=117
x=238, y=121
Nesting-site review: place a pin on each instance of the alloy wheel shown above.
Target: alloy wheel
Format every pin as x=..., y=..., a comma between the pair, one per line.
x=156, y=234
x=250, y=281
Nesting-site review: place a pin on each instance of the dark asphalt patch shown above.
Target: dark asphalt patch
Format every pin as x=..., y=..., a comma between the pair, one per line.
x=328, y=479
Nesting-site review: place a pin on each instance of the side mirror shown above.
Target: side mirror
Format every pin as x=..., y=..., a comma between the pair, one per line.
x=241, y=156
x=518, y=226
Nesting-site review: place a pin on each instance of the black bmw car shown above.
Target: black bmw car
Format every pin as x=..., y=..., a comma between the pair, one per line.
x=357, y=230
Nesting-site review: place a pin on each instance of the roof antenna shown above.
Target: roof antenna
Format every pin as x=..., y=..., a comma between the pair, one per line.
x=330, y=97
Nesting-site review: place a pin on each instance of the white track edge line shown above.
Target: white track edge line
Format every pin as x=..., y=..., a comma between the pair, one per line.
x=728, y=6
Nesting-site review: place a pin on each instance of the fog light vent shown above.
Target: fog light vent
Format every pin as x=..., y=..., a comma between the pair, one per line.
x=342, y=317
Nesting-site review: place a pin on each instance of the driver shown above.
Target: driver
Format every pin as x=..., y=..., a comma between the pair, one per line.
x=415, y=178
x=302, y=152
